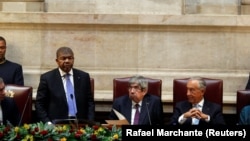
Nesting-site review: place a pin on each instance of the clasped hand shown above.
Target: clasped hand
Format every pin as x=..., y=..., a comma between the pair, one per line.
x=195, y=113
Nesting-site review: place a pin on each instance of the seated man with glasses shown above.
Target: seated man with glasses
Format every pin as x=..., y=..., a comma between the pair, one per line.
x=138, y=106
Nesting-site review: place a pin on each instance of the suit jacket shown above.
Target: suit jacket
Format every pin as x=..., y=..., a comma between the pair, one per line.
x=123, y=105
x=209, y=108
x=51, y=101
x=245, y=116
x=10, y=111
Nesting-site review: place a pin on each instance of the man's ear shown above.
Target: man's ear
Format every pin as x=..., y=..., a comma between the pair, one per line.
x=203, y=90
x=145, y=90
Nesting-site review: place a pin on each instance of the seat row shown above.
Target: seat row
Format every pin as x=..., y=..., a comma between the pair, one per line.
x=214, y=93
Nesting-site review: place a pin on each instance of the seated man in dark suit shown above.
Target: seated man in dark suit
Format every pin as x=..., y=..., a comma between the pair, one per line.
x=196, y=110
x=9, y=108
x=245, y=116
x=150, y=107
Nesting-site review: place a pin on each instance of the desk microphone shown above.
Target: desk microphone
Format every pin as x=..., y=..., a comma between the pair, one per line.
x=72, y=98
x=148, y=113
x=24, y=108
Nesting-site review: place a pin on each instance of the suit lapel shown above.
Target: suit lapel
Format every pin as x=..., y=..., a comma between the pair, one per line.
x=60, y=87
x=144, y=111
x=76, y=78
x=205, y=108
x=187, y=107
x=127, y=113
x=143, y=114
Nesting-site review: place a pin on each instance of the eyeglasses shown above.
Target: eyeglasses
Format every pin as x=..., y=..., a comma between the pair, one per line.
x=136, y=88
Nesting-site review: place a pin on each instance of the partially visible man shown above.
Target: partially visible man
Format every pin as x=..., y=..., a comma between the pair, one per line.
x=8, y=109
x=196, y=110
x=64, y=92
x=148, y=106
x=12, y=73
x=245, y=116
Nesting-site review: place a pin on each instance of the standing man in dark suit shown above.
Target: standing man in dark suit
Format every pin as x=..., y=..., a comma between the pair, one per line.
x=197, y=110
x=150, y=106
x=12, y=73
x=52, y=101
x=9, y=109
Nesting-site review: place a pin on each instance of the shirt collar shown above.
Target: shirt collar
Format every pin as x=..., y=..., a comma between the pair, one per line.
x=201, y=103
x=62, y=73
x=133, y=103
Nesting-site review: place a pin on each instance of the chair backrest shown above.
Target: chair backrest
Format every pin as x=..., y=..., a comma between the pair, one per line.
x=120, y=86
x=242, y=99
x=92, y=83
x=23, y=99
x=214, y=90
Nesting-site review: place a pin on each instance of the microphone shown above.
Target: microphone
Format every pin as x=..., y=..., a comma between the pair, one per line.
x=148, y=113
x=24, y=108
x=72, y=98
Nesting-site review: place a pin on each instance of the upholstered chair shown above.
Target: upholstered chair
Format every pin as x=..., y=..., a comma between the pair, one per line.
x=120, y=86
x=23, y=98
x=214, y=90
x=242, y=99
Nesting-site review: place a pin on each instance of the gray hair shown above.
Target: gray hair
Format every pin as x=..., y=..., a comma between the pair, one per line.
x=140, y=80
x=201, y=81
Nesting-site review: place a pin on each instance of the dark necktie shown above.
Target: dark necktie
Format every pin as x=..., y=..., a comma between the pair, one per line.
x=70, y=96
x=137, y=114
